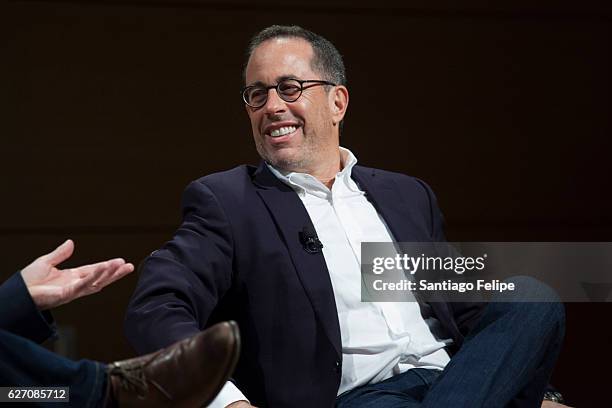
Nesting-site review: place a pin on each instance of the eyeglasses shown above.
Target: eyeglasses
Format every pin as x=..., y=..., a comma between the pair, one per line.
x=289, y=90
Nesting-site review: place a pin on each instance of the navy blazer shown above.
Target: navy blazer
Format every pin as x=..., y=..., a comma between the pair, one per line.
x=237, y=255
x=19, y=314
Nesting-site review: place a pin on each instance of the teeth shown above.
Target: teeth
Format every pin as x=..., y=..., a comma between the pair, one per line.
x=282, y=131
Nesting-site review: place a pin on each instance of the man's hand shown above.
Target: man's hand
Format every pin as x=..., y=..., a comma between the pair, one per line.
x=51, y=287
x=550, y=404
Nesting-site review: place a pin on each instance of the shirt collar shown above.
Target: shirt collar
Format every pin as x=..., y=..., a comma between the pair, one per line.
x=303, y=182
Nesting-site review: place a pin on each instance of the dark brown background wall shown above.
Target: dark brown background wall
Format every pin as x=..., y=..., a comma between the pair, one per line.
x=109, y=108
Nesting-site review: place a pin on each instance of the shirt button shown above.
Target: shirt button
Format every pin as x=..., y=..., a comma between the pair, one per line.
x=338, y=366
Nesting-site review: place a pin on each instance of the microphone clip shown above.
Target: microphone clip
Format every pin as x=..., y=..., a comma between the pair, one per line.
x=310, y=241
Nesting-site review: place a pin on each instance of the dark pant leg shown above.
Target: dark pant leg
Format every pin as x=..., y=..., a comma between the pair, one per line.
x=25, y=363
x=404, y=390
x=507, y=359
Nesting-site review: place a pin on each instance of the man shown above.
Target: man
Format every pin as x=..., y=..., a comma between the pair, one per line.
x=189, y=373
x=278, y=249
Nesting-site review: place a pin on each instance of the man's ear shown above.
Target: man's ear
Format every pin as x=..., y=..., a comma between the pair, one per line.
x=339, y=102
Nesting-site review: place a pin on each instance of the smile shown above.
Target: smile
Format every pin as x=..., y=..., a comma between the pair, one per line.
x=285, y=130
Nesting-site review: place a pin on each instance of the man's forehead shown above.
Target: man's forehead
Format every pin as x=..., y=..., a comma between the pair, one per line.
x=279, y=58
x=276, y=80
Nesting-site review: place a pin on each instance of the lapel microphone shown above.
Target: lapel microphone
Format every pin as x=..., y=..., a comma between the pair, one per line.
x=309, y=240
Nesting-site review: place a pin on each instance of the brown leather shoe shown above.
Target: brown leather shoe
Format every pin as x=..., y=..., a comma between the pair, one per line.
x=189, y=373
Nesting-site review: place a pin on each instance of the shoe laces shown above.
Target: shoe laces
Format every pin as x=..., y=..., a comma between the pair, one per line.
x=132, y=377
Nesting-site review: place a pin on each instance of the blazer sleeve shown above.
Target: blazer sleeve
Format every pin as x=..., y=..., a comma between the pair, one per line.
x=19, y=314
x=181, y=283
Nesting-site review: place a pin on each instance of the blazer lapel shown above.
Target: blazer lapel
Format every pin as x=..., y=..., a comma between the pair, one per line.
x=291, y=218
x=400, y=217
x=382, y=193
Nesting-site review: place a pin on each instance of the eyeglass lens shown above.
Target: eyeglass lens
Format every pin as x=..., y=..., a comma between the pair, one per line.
x=289, y=90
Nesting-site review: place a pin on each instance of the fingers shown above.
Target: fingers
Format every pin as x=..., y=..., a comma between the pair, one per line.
x=119, y=273
x=60, y=254
x=94, y=271
x=92, y=278
x=114, y=270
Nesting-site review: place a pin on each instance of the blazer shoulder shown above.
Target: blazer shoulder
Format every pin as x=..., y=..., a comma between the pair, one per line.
x=232, y=181
x=233, y=175
x=226, y=188
x=403, y=180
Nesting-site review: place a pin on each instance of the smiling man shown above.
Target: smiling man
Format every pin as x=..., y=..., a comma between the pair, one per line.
x=277, y=248
x=296, y=128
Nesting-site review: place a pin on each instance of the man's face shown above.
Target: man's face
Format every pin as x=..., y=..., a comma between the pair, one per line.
x=311, y=120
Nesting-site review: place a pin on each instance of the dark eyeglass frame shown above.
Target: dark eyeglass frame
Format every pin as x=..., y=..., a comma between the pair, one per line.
x=285, y=98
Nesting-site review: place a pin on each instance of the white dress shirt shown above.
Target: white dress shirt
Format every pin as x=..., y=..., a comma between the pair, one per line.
x=379, y=339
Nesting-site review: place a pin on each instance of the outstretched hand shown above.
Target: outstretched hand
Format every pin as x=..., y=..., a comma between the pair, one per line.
x=51, y=287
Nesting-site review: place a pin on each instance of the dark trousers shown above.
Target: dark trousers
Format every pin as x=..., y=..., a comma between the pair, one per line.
x=24, y=363
x=505, y=361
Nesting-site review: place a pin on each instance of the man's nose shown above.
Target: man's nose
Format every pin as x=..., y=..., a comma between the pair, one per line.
x=274, y=104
